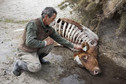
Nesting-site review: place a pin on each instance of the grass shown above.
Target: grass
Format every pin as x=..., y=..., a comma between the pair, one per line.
x=14, y=21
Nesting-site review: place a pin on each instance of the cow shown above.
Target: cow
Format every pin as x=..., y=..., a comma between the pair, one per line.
x=88, y=59
x=81, y=35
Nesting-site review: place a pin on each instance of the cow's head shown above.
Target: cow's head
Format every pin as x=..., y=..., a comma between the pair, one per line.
x=88, y=58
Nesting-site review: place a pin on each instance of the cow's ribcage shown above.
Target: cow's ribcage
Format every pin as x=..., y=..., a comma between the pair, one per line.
x=74, y=33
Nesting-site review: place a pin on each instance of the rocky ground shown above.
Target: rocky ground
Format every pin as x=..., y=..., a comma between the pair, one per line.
x=14, y=15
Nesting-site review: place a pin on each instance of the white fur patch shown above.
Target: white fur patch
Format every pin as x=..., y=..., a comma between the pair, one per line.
x=78, y=60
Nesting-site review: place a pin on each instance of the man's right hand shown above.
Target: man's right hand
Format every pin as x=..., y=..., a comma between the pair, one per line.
x=78, y=47
x=49, y=41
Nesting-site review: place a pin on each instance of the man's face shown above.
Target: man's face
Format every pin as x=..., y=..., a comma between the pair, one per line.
x=49, y=20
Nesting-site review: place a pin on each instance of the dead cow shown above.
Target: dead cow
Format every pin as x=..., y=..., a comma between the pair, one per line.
x=79, y=34
x=88, y=59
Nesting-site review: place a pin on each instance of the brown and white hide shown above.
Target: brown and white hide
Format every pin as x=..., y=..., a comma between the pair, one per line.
x=81, y=35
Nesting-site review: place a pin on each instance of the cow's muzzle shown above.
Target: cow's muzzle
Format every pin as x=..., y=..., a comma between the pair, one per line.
x=96, y=71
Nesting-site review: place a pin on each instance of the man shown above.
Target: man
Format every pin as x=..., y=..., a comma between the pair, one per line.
x=35, y=46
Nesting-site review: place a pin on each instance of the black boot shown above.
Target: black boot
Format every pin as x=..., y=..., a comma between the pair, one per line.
x=19, y=66
x=42, y=61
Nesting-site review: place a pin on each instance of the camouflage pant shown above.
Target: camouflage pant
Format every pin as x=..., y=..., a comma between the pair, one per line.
x=32, y=59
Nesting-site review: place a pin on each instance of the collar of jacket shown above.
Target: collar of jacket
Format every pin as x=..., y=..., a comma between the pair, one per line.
x=43, y=25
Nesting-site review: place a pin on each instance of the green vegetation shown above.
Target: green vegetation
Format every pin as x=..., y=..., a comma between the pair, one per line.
x=14, y=21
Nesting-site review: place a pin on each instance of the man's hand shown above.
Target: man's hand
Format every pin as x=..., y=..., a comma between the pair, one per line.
x=78, y=47
x=49, y=41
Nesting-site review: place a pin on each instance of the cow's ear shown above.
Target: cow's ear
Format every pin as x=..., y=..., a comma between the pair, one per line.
x=85, y=47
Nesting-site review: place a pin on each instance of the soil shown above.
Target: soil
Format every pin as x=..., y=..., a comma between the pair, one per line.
x=14, y=15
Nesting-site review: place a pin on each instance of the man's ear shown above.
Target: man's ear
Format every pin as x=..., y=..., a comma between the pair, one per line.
x=46, y=16
x=85, y=46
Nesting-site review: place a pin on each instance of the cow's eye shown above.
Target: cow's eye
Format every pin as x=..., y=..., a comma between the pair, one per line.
x=85, y=58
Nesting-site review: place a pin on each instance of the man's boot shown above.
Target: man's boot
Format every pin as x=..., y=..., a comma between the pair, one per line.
x=42, y=61
x=19, y=66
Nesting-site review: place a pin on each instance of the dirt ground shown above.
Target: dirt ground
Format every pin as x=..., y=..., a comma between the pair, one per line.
x=14, y=15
